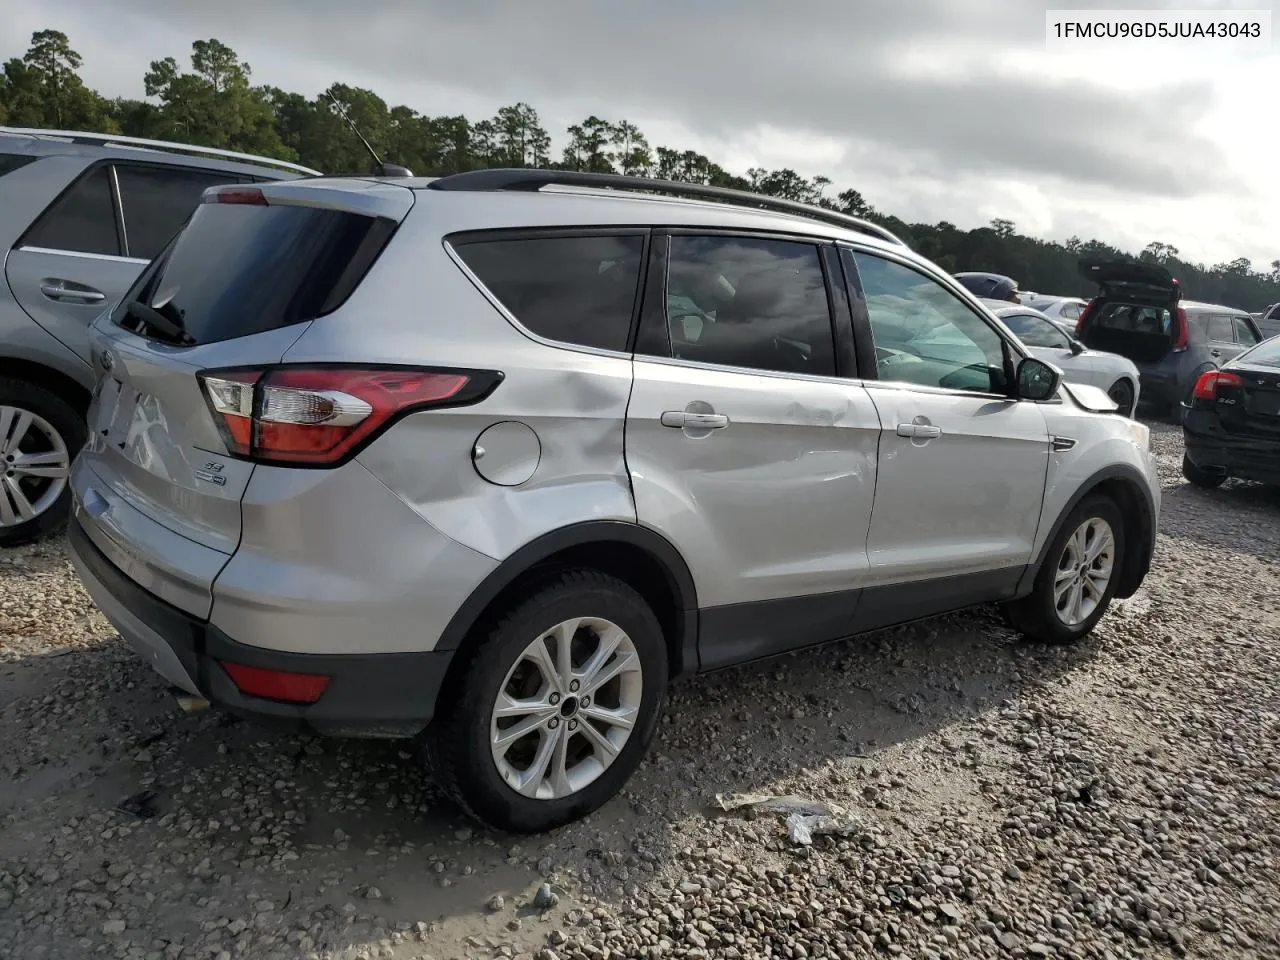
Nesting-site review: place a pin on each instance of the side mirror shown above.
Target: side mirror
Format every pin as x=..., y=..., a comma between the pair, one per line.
x=1037, y=380
x=1076, y=347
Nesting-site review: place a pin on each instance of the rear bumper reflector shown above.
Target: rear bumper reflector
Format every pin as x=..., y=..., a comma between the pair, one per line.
x=278, y=685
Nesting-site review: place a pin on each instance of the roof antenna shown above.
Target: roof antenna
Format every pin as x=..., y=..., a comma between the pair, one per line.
x=381, y=169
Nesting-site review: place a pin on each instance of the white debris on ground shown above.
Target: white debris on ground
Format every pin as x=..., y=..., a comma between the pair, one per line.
x=960, y=794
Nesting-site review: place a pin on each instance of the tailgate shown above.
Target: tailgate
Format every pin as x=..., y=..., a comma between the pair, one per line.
x=158, y=490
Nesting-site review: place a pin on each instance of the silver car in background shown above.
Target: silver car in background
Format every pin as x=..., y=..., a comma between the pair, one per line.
x=1117, y=376
x=80, y=215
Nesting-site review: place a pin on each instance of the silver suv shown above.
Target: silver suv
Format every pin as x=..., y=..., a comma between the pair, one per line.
x=83, y=213
x=494, y=458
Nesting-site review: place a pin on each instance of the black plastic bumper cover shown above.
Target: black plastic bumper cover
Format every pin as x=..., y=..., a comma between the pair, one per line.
x=1209, y=447
x=370, y=695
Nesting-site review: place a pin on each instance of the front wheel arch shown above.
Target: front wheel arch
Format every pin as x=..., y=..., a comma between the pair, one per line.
x=1127, y=488
x=1132, y=386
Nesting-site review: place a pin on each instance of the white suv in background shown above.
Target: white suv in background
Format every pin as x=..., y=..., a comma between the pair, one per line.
x=491, y=459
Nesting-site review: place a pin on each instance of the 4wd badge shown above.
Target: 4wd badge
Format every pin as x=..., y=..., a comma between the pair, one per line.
x=212, y=473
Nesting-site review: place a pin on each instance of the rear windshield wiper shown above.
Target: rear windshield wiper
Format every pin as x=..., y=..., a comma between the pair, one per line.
x=152, y=317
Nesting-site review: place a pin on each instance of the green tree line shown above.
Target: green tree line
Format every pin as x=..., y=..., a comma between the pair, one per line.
x=212, y=101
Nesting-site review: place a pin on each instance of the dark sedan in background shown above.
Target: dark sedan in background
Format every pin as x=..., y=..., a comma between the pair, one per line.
x=1232, y=425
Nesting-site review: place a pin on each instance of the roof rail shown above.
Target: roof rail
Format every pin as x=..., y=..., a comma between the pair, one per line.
x=110, y=139
x=534, y=180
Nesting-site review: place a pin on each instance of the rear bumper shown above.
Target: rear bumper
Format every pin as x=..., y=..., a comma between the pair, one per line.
x=1209, y=448
x=369, y=695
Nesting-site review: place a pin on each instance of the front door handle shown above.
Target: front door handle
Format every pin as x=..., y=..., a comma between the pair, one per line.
x=64, y=292
x=919, y=431
x=694, y=421
x=1215, y=353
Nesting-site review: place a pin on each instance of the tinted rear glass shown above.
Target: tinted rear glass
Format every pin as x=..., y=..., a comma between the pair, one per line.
x=239, y=269
x=572, y=289
x=12, y=161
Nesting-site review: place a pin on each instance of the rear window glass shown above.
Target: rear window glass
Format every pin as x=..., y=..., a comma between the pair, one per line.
x=579, y=290
x=239, y=269
x=12, y=161
x=81, y=220
x=1266, y=354
x=1134, y=318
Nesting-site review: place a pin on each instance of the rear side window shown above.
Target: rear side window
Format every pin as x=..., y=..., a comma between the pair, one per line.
x=81, y=220
x=158, y=200
x=1220, y=329
x=241, y=269
x=1035, y=332
x=579, y=290
x=746, y=302
x=10, y=162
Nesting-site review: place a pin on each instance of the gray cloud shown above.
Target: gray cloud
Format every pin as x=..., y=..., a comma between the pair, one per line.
x=831, y=68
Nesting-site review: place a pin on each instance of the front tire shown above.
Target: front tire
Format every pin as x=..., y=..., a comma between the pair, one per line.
x=552, y=711
x=1199, y=477
x=1078, y=577
x=40, y=434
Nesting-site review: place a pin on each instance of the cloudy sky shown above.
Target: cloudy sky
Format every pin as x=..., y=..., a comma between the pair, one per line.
x=934, y=109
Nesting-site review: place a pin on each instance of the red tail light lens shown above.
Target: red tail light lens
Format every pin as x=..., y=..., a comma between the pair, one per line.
x=279, y=685
x=1182, y=336
x=1084, y=316
x=319, y=416
x=1206, y=387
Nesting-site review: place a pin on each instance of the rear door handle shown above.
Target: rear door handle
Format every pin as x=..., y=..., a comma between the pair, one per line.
x=921, y=431
x=694, y=421
x=60, y=291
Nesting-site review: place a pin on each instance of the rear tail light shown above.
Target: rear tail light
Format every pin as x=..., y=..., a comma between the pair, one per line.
x=1182, y=336
x=320, y=416
x=1206, y=387
x=279, y=685
x=1084, y=316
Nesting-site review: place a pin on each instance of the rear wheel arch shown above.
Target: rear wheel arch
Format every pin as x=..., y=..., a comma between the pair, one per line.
x=70, y=390
x=643, y=559
x=1127, y=488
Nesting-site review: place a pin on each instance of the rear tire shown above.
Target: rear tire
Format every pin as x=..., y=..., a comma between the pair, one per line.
x=1078, y=578
x=43, y=432
x=1207, y=479
x=571, y=760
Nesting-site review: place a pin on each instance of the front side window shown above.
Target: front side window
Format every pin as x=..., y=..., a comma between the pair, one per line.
x=81, y=220
x=1244, y=333
x=926, y=335
x=748, y=302
x=1036, y=332
x=579, y=290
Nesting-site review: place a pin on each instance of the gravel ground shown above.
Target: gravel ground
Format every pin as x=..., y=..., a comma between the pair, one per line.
x=1117, y=799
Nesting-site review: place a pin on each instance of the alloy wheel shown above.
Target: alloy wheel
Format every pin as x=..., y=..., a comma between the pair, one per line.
x=1084, y=571
x=566, y=709
x=34, y=466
